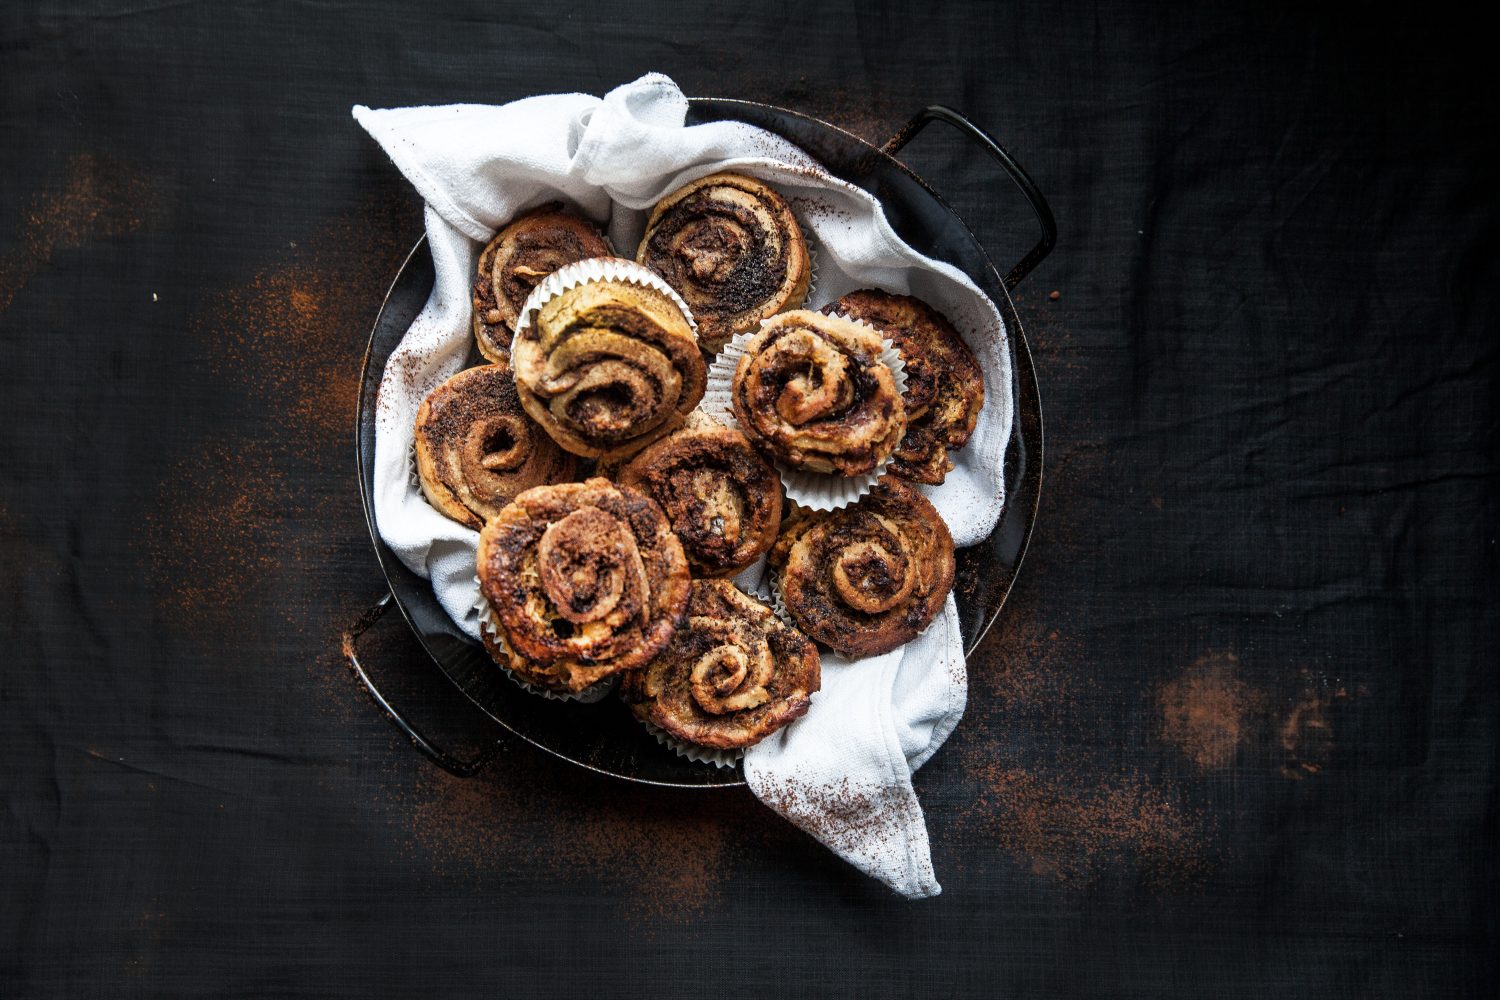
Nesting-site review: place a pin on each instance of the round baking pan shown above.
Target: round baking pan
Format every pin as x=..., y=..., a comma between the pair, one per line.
x=603, y=737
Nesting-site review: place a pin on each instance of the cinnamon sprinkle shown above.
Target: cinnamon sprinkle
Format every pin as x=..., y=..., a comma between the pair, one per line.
x=665, y=855
x=1074, y=830
x=99, y=198
x=1206, y=712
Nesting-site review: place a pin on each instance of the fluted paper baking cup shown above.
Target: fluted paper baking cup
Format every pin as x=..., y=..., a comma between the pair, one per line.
x=812, y=266
x=490, y=626
x=817, y=490
x=593, y=269
x=692, y=751
x=777, y=603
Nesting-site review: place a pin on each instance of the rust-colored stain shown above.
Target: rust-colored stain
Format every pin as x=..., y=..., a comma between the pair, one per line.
x=1305, y=733
x=294, y=333
x=1027, y=664
x=97, y=198
x=1042, y=795
x=1075, y=825
x=1208, y=711
x=241, y=510
x=217, y=530
x=666, y=855
x=1211, y=714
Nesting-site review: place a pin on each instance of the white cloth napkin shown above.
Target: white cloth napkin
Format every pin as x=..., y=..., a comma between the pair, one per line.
x=842, y=772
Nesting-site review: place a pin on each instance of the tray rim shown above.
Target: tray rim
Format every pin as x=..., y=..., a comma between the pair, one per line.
x=1023, y=371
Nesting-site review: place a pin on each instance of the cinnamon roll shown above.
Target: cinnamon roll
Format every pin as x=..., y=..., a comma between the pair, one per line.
x=606, y=367
x=476, y=448
x=732, y=249
x=723, y=500
x=813, y=391
x=731, y=676
x=867, y=578
x=585, y=579
x=520, y=255
x=944, y=384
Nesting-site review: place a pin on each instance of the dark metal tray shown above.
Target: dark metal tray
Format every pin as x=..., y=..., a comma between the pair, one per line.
x=603, y=737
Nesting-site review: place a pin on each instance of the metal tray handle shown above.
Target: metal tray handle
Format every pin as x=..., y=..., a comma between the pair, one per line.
x=939, y=113
x=448, y=762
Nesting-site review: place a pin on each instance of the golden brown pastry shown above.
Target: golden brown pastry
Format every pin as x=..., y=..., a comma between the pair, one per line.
x=812, y=390
x=732, y=249
x=586, y=580
x=731, y=676
x=476, y=448
x=607, y=367
x=944, y=384
x=722, y=499
x=866, y=578
x=521, y=255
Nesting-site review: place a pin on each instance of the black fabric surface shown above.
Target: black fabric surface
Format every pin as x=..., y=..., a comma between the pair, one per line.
x=1233, y=736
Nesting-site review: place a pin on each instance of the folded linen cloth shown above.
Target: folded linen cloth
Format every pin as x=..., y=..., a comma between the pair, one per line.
x=843, y=771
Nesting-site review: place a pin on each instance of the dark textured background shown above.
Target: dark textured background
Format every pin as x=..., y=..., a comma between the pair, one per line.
x=1234, y=736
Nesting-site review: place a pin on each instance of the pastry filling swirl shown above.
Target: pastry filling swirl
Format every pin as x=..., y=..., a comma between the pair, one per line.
x=606, y=369
x=586, y=579
x=720, y=246
x=476, y=450
x=517, y=259
x=722, y=499
x=867, y=578
x=732, y=249
x=813, y=390
x=732, y=674
x=944, y=383
x=872, y=572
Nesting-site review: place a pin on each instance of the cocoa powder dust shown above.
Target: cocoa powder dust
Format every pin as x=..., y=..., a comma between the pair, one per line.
x=96, y=198
x=1206, y=711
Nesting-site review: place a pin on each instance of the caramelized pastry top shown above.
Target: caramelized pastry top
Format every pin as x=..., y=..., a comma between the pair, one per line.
x=869, y=577
x=732, y=249
x=732, y=675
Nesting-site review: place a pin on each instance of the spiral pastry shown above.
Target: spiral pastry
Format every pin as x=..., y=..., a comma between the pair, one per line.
x=732, y=249
x=812, y=390
x=476, y=448
x=944, y=384
x=520, y=255
x=866, y=578
x=586, y=580
x=723, y=500
x=607, y=367
x=731, y=676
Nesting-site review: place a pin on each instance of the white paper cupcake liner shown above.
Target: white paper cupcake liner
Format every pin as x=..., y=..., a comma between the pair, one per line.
x=812, y=266
x=693, y=752
x=776, y=603
x=816, y=490
x=490, y=625
x=594, y=269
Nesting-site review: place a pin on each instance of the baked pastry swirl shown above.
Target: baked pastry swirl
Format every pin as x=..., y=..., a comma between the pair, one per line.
x=732, y=249
x=723, y=500
x=813, y=391
x=866, y=578
x=608, y=366
x=944, y=384
x=731, y=676
x=476, y=448
x=522, y=254
x=586, y=580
